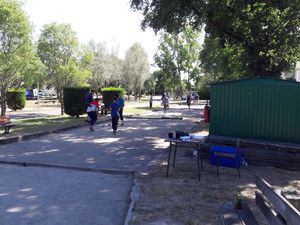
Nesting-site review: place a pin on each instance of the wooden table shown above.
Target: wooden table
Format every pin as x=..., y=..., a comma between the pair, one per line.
x=198, y=142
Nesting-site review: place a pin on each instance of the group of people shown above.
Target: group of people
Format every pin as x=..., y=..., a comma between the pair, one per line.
x=165, y=101
x=116, y=110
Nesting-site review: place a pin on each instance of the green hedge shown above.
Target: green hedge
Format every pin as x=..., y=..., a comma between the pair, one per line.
x=16, y=99
x=109, y=93
x=75, y=103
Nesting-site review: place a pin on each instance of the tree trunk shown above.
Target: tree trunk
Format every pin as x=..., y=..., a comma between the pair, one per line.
x=60, y=99
x=61, y=109
x=3, y=102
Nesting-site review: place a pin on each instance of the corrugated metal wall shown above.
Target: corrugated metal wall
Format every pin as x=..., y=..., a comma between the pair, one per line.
x=264, y=109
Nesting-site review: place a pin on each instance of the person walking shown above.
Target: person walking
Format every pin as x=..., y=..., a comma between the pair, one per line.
x=121, y=103
x=92, y=112
x=114, y=110
x=150, y=100
x=90, y=96
x=165, y=102
x=188, y=100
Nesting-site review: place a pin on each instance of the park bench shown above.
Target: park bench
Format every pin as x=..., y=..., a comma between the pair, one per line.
x=274, y=206
x=6, y=123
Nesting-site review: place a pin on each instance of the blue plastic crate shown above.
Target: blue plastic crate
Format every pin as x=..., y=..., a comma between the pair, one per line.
x=226, y=162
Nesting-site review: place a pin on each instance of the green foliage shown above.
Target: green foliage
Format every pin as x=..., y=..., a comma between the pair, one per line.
x=16, y=51
x=16, y=99
x=178, y=56
x=136, y=68
x=149, y=85
x=229, y=60
x=265, y=33
x=75, y=102
x=108, y=94
x=203, y=88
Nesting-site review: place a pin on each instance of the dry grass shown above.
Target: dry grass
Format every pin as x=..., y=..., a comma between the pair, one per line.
x=184, y=199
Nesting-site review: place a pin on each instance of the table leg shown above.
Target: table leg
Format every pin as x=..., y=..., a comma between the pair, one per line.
x=174, y=159
x=198, y=163
x=169, y=156
x=200, y=156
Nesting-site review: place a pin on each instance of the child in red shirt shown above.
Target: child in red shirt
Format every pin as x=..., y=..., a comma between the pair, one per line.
x=92, y=112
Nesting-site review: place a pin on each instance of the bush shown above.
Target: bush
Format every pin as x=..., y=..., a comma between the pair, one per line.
x=203, y=87
x=16, y=99
x=204, y=92
x=75, y=103
x=109, y=93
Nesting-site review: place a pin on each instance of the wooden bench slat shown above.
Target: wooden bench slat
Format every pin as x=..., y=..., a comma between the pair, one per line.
x=267, y=210
x=228, y=214
x=281, y=205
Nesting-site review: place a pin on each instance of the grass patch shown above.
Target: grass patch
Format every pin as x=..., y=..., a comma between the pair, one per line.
x=40, y=124
x=135, y=110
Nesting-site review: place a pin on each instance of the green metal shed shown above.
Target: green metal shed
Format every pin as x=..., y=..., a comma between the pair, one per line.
x=258, y=108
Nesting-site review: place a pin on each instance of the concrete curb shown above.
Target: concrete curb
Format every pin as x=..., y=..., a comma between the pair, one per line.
x=134, y=197
x=135, y=190
x=106, y=171
x=39, y=134
x=155, y=118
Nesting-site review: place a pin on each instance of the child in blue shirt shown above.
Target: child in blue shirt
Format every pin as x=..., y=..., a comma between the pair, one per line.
x=121, y=104
x=114, y=110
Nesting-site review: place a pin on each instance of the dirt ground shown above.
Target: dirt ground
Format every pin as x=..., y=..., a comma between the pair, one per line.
x=181, y=199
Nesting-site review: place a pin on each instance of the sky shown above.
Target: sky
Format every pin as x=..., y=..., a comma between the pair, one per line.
x=111, y=21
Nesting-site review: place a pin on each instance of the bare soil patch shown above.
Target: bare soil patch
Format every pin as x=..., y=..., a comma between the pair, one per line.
x=182, y=199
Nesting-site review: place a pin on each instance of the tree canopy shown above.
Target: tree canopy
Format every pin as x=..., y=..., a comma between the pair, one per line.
x=266, y=32
x=58, y=50
x=136, y=69
x=178, y=57
x=17, y=57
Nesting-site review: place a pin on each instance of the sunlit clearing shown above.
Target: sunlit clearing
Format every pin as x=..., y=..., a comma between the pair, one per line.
x=4, y=194
x=15, y=209
x=105, y=140
x=149, y=128
x=159, y=143
x=144, y=174
x=41, y=152
x=104, y=190
x=142, y=158
x=25, y=189
x=90, y=160
x=32, y=197
x=76, y=140
x=121, y=152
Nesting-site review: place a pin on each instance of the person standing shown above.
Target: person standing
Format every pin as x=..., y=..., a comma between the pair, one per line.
x=121, y=104
x=165, y=102
x=188, y=100
x=92, y=112
x=150, y=100
x=114, y=110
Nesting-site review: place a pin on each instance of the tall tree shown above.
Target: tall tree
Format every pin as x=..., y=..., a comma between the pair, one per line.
x=136, y=69
x=99, y=68
x=178, y=56
x=58, y=50
x=16, y=50
x=267, y=31
x=107, y=69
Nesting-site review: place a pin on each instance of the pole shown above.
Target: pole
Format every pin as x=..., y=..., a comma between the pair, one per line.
x=38, y=95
